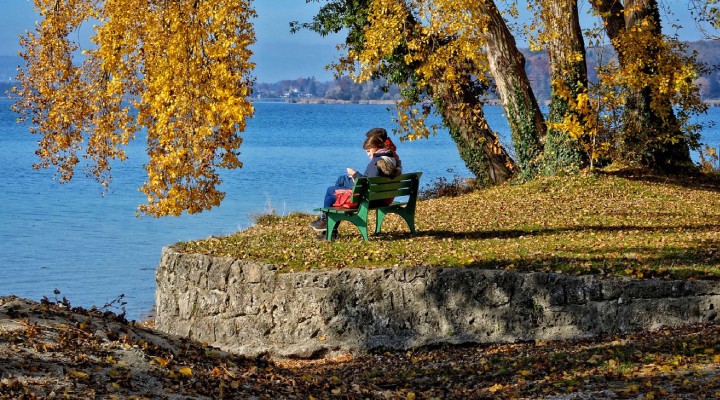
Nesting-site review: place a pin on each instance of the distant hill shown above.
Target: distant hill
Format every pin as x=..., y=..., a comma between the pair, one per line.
x=538, y=67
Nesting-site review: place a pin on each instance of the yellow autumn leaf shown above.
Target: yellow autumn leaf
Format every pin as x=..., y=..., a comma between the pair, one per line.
x=163, y=362
x=78, y=374
x=665, y=368
x=496, y=387
x=185, y=371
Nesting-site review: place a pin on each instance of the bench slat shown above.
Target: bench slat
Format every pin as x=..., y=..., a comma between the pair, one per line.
x=389, y=186
x=390, y=194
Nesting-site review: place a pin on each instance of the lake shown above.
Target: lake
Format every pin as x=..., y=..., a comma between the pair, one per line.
x=91, y=246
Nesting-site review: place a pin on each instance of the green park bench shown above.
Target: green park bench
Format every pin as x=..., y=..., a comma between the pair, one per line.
x=367, y=193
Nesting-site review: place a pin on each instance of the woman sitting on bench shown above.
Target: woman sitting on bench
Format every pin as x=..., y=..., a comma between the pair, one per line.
x=382, y=163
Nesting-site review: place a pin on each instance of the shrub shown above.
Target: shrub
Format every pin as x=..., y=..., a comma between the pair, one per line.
x=709, y=160
x=442, y=187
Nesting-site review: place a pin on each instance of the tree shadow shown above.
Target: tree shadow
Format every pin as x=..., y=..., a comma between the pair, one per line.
x=516, y=233
x=691, y=179
x=426, y=306
x=529, y=369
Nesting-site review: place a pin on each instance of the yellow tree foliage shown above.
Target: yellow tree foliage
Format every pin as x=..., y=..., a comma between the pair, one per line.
x=443, y=41
x=434, y=51
x=654, y=77
x=180, y=70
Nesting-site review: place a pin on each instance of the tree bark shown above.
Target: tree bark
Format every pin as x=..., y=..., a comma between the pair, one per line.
x=507, y=66
x=652, y=135
x=568, y=74
x=478, y=145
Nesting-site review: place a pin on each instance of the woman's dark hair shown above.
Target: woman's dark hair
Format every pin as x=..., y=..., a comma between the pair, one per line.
x=379, y=132
x=373, y=142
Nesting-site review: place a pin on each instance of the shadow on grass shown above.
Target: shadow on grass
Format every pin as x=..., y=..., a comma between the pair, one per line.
x=517, y=233
x=663, y=261
x=690, y=179
x=667, y=363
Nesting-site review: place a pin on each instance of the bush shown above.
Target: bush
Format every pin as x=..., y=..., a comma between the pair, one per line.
x=442, y=187
x=709, y=160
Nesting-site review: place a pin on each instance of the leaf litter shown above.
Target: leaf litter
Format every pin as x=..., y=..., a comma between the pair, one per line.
x=48, y=351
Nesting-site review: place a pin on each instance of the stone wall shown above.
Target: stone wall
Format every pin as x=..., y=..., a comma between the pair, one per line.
x=250, y=309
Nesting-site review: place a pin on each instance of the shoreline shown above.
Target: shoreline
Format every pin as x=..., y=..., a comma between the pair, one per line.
x=320, y=100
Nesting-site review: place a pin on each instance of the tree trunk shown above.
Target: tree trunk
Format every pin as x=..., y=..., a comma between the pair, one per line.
x=652, y=135
x=668, y=147
x=507, y=66
x=568, y=74
x=478, y=145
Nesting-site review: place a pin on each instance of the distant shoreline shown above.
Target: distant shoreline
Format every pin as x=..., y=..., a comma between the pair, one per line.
x=7, y=85
x=321, y=100
x=318, y=100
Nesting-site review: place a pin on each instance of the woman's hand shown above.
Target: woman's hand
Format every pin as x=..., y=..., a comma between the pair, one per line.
x=351, y=172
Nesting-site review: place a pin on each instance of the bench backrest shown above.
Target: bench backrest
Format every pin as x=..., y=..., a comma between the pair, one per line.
x=380, y=188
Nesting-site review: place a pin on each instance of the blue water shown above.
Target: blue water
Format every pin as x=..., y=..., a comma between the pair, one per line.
x=91, y=246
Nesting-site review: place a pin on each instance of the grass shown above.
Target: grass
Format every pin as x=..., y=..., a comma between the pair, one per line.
x=617, y=224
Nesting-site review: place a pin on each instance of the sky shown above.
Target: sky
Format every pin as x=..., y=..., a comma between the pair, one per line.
x=278, y=53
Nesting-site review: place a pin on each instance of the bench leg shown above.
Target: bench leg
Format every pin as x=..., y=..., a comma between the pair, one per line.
x=332, y=226
x=361, y=224
x=363, y=231
x=379, y=217
x=407, y=215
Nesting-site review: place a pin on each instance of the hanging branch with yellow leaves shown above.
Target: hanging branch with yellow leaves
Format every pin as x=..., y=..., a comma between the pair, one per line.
x=183, y=65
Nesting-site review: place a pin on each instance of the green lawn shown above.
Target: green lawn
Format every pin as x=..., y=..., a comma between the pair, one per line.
x=600, y=223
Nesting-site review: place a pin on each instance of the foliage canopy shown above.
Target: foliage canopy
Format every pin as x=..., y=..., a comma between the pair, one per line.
x=180, y=71
x=638, y=111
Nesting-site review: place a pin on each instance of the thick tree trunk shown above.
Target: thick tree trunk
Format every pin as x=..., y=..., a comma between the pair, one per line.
x=478, y=145
x=507, y=66
x=652, y=135
x=568, y=74
x=668, y=147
